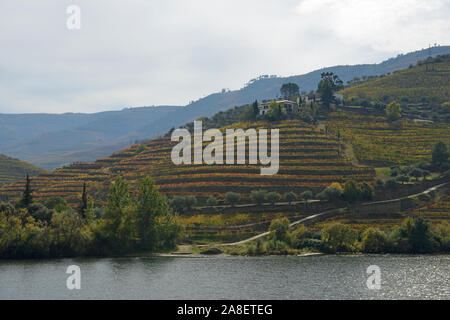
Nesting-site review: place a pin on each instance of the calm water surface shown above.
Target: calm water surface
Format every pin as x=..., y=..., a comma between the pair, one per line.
x=314, y=277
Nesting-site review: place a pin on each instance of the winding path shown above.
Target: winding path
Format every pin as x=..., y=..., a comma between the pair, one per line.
x=314, y=216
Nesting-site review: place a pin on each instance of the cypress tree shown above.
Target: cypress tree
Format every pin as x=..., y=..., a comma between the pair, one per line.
x=27, y=197
x=84, y=202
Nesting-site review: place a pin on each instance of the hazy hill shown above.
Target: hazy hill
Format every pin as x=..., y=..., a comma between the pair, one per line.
x=13, y=169
x=267, y=87
x=50, y=140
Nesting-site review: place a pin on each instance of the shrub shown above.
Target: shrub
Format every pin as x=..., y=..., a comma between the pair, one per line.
x=373, y=241
x=273, y=197
x=338, y=237
x=211, y=201
x=306, y=195
x=258, y=196
x=280, y=227
x=393, y=111
x=232, y=198
x=290, y=196
x=391, y=184
x=366, y=191
x=56, y=203
x=190, y=202
x=351, y=191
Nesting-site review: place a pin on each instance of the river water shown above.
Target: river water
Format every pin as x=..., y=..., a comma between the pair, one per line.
x=220, y=277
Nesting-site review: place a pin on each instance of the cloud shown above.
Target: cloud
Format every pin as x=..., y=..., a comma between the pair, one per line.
x=169, y=52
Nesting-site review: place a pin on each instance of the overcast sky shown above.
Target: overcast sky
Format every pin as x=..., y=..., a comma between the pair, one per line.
x=168, y=52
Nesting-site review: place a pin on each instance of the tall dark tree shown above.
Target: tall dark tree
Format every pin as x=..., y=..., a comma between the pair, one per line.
x=255, y=108
x=84, y=202
x=289, y=90
x=27, y=197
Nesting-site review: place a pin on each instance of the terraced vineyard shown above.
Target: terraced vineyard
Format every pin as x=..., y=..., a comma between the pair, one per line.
x=309, y=160
x=435, y=212
x=430, y=82
x=377, y=142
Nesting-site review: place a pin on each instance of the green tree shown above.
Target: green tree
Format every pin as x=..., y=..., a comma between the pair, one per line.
x=416, y=173
x=439, y=154
x=289, y=91
x=366, y=191
x=190, y=202
x=119, y=196
x=56, y=203
x=306, y=196
x=232, y=198
x=280, y=228
x=393, y=111
x=325, y=90
x=273, y=197
x=351, y=192
x=338, y=237
x=178, y=204
x=211, y=201
x=27, y=197
x=276, y=112
x=418, y=234
x=150, y=206
x=84, y=202
x=328, y=85
x=374, y=240
x=258, y=196
x=119, y=219
x=290, y=196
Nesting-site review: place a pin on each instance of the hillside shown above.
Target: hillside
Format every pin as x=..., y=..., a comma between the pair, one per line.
x=13, y=169
x=421, y=83
x=309, y=160
x=268, y=87
x=51, y=141
x=376, y=142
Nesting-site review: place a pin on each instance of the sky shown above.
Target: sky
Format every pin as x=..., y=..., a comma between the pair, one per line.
x=170, y=52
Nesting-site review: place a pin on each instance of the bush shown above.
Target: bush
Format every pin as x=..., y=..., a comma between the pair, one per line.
x=257, y=249
x=290, y=196
x=211, y=201
x=366, y=191
x=56, y=203
x=273, y=197
x=40, y=212
x=306, y=195
x=259, y=196
x=330, y=194
x=391, y=184
x=374, y=241
x=338, y=237
x=232, y=198
x=351, y=192
x=190, y=202
x=280, y=227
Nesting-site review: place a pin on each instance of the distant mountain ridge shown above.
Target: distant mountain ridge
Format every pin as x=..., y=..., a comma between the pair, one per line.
x=50, y=140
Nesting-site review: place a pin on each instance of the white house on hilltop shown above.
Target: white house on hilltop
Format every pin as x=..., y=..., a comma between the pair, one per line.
x=289, y=106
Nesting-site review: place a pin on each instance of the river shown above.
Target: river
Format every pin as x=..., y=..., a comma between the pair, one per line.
x=221, y=277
